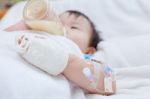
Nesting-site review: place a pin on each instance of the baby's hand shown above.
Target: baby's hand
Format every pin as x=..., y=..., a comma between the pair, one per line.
x=43, y=52
x=17, y=27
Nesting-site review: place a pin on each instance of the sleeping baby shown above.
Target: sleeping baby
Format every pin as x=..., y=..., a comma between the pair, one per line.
x=65, y=47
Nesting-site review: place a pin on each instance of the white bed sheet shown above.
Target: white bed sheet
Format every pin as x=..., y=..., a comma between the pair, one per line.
x=119, y=20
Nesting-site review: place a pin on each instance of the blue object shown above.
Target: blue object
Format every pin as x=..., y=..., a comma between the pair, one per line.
x=108, y=69
x=88, y=56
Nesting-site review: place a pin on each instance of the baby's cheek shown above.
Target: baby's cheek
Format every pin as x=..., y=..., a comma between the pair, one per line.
x=83, y=43
x=79, y=38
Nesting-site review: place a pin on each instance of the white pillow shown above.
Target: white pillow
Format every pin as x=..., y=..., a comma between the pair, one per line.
x=136, y=50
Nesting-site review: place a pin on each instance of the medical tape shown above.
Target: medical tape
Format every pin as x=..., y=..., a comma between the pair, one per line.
x=94, y=75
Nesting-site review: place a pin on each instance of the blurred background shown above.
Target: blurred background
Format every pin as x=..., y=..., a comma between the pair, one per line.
x=5, y=5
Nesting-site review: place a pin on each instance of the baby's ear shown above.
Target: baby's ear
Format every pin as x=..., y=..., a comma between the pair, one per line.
x=90, y=50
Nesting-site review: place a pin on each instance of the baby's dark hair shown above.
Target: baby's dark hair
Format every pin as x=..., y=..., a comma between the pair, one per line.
x=95, y=39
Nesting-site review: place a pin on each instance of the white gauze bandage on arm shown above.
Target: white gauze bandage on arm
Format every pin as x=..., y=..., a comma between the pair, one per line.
x=49, y=53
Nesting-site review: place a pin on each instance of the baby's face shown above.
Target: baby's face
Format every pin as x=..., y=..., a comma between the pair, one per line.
x=78, y=29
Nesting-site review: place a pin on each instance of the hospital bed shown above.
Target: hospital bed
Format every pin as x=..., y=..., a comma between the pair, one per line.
x=125, y=26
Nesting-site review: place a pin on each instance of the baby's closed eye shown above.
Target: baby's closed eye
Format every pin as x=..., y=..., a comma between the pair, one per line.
x=74, y=27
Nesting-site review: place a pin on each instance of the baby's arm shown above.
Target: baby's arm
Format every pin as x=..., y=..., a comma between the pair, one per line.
x=18, y=26
x=74, y=72
x=43, y=52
